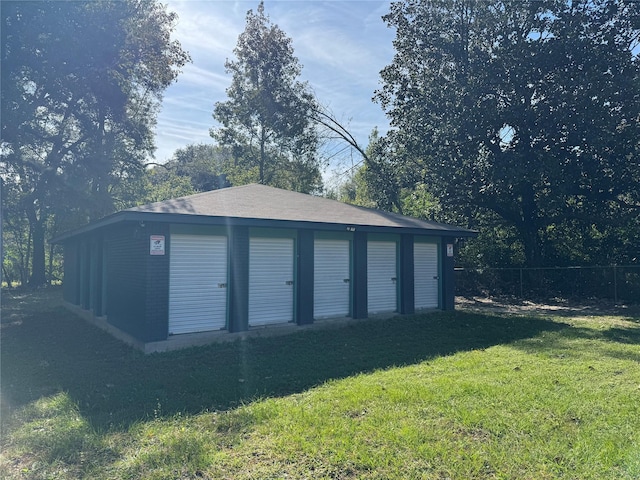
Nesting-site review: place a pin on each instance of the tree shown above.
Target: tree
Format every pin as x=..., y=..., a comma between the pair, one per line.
x=374, y=180
x=206, y=166
x=526, y=109
x=81, y=86
x=266, y=121
x=158, y=185
x=16, y=238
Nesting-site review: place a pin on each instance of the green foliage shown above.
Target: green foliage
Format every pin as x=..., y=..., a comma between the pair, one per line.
x=15, y=236
x=374, y=183
x=355, y=190
x=384, y=174
x=81, y=85
x=267, y=119
x=158, y=186
x=525, y=109
x=419, y=202
x=192, y=169
x=584, y=243
x=205, y=166
x=495, y=246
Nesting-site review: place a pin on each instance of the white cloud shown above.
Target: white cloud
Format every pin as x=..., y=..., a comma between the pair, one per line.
x=208, y=27
x=342, y=46
x=194, y=76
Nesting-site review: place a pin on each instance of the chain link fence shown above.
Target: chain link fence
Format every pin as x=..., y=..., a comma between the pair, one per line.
x=620, y=283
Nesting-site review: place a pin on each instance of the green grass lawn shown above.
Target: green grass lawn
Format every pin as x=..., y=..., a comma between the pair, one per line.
x=444, y=395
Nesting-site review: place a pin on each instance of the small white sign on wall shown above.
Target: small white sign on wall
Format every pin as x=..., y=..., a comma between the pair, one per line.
x=156, y=246
x=449, y=249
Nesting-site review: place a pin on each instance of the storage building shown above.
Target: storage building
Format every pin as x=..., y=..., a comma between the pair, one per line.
x=239, y=258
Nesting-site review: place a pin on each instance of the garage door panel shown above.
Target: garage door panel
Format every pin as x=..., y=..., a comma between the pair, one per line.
x=198, y=265
x=332, y=266
x=270, y=280
x=382, y=273
x=426, y=282
x=192, y=303
x=187, y=282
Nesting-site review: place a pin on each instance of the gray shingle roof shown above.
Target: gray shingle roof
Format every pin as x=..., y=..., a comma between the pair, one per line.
x=256, y=201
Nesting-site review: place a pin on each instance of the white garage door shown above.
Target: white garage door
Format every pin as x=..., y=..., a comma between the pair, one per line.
x=331, y=280
x=425, y=268
x=382, y=275
x=197, y=283
x=270, y=280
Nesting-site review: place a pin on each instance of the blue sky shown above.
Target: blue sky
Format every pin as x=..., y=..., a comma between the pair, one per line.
x=342, y=46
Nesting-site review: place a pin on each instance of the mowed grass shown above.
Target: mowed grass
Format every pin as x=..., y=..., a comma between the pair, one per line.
x=434, y=396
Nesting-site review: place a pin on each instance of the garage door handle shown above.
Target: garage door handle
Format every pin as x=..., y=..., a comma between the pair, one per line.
x=346, y=280
x=436, y=278
x=222, y=285
x=289, y=282
x=394, y=279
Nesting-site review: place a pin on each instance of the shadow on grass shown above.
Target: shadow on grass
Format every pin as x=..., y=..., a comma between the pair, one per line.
x=46, y=350
x=629, y=335
x=614, y=342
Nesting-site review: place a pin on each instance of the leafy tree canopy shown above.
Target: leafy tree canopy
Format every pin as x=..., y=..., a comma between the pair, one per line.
x=81, y=85
x=266, y=120
x=529, y=109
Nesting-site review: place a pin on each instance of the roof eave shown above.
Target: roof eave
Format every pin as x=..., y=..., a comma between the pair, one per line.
x=118, y=217
x=178, y=218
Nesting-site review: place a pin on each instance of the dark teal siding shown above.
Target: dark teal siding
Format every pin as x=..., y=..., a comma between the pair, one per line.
x=360, y=309
x=111, y=272
x=126, y=276
x=304, y=301
x=156, y=315
x=448, y=283
x=239, y=279
x=407, y=290
x=71, y=284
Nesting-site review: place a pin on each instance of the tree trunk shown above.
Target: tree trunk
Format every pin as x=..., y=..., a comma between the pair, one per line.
x=532, y=246
x=263, y=140
x=529, y=227
x=25, y=258
x=38, y=265
x=7, y=277
x=37, y=232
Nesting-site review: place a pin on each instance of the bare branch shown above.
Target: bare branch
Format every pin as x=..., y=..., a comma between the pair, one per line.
x=327, y=120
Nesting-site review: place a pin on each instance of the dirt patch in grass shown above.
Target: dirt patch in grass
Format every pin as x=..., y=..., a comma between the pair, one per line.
x=562, y=307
